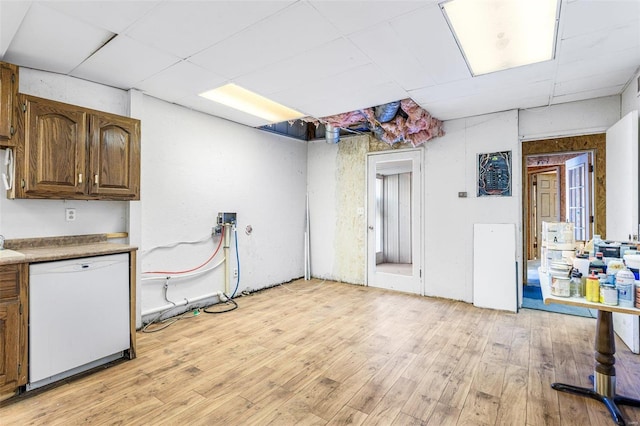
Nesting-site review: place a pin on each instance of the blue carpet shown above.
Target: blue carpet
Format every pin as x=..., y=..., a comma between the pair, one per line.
x=532, y=292
x=539, y=305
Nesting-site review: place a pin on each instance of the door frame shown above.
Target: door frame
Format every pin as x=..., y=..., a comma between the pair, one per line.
x=417, y=222
x=595, y=143
x=532, y=218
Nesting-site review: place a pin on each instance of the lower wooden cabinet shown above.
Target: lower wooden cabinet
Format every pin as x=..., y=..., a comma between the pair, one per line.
x=13, y=328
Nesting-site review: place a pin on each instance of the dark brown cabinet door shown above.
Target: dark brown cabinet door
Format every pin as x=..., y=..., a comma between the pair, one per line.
x=114, y=157
x=55, y=147
x=13, y=353
x=8, y=93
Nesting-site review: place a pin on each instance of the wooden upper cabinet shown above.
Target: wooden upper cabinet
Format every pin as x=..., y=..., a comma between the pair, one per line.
x=8, y=93
x=55, y=148
x=70, y=152
x=114, y=156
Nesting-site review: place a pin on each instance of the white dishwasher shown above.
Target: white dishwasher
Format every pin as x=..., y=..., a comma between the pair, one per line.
x=78, y=315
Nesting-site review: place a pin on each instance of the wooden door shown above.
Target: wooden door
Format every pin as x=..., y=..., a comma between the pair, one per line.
x=115, y=157
x=8, y=91
x=13, y=327
x=9, y=320
x=547, y=205
x=55, y=149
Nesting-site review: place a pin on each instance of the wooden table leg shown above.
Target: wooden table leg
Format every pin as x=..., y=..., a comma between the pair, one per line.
x=604, y=379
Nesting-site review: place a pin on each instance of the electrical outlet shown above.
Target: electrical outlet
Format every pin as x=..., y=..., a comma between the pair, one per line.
x=235, y=273
x=70, y=214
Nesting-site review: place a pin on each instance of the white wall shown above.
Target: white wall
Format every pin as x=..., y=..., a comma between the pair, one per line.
x=194, y=166
x=569, y=119
x=322, y=181
x=45, y=218
x=451, y=167
x=630, y=100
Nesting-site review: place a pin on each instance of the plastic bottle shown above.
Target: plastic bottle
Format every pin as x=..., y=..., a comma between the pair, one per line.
x=593, y=288
x=625, y=284
x=597, y=265
x=577, y=289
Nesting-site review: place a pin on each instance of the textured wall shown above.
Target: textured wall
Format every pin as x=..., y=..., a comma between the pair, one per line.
x=46, y=218
x=351, y=189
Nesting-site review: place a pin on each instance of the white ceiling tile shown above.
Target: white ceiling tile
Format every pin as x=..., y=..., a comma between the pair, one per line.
x=383, y=45
x=600, y=43
x=184, y=28
x=513, y=78
x=123, y=62
x=115, y=16
x=451, y=110
x=48, y=39
x=288, y=33
x=332, y=87
x=362, y=87
x=179, y=81
x=521, y=75
x=589, y=94
x=352, y=16
x=491, y=100
x=11, y=15
x=427, y=36
x=456, y=89
x=587, y=16
x=372, y=96
x=589, y=65
x=602, y=81
x=335, y=57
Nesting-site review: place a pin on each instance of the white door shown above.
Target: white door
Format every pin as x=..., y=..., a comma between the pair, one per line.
x=394, y=216
x=622, y=204
x=578, y=198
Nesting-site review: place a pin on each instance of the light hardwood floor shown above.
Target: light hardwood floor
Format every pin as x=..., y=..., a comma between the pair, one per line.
x=327, y=353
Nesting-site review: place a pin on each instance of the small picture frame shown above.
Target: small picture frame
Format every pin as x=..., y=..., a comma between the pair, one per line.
x=494, y=174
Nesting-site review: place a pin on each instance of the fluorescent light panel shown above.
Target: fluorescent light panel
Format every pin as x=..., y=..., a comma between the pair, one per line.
x=247, y=101
x=495, y=35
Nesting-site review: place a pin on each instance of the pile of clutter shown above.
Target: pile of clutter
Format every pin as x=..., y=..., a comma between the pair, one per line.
x=601, y=271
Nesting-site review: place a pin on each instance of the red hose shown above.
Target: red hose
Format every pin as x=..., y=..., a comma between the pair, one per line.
x=192, y=269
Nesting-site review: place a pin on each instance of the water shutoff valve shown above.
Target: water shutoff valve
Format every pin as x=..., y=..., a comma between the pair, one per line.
x=226, y=218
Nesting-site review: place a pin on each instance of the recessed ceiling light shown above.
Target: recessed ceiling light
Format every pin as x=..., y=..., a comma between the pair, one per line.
x=247, y=101
x=495, y=35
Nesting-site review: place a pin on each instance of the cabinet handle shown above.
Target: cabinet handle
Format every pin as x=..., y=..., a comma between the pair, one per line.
x=95, y=178
x=79, y=177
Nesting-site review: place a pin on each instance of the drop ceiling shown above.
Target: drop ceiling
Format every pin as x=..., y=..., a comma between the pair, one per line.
x=319, y=57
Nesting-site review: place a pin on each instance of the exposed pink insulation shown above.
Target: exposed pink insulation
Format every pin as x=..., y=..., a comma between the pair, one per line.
x=417, y=128
x=346, y=119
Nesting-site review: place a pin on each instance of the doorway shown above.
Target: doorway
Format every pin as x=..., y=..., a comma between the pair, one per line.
x=394, y=212
x=544, y=205
x=579, y=165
